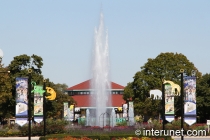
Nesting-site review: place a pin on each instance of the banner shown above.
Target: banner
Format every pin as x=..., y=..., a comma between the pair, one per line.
x=190, y=100
x=131, y=113
x=21, y=112
x=125, y=111
x=70, y=113
x=169, y=103
x=38, y=103
x=65, y=110
x=76, y=113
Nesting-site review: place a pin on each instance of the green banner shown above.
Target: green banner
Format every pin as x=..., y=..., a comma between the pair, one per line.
x=38, y=103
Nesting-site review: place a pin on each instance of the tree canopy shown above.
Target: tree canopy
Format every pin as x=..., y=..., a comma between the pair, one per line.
x=165, y=66
x=55, y=107
x=19, y=67
x=203, y=97
x=6, y=94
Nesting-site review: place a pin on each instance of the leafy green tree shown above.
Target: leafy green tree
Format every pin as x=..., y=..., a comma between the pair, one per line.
x=165, y=66
x=129, y=91
x=19, y=67
x=203, y=97
x=5, y=94
x=150, y=107
x=54, y=108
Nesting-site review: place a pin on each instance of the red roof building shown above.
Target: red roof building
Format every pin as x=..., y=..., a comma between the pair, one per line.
x=81, y=94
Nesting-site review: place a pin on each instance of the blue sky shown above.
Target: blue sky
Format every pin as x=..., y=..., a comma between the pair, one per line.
x=62, y=33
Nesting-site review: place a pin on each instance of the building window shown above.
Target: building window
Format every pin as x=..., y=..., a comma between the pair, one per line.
x=70, y=93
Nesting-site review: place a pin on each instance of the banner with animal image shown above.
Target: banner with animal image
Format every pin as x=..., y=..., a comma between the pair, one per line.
x=65, y=110
x=131, y=113
x=190, y=100
x=76, y=113
x=21, y=112
x=125, y=110
x=38, y=102
x=169, y=103
x=70, y=113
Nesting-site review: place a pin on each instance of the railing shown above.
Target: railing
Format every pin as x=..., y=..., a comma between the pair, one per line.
x=109, y=121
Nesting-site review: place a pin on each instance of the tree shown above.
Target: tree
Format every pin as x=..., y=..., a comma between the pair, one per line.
x=5, y=94
x=19, y=67
x=164, y=66
x=203, y=97
x=20, y=64
x=54, y=108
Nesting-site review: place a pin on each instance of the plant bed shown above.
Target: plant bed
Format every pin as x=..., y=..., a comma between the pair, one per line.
x=102, y=137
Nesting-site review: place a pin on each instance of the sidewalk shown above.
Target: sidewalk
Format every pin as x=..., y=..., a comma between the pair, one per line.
x=18, y=138
x=193, y=137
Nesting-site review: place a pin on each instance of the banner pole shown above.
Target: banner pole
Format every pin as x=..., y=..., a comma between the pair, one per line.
x=44, y=107
x=163, y=105
x=182, y=104
x=29, y=105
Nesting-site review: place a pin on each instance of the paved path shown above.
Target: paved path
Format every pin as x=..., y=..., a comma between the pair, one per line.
x=193, y=138
x=37, y=138
x=18, y=138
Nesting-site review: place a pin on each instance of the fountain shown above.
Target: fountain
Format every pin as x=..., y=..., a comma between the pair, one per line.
x=100, y=82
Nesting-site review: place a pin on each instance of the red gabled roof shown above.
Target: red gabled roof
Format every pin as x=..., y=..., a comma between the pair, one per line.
x=84, y=100
x=86, y=85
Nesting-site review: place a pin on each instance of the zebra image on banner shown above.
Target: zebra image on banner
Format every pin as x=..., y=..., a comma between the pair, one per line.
x=169, y=103
x=38, y=103
x=21, y=112
x=190, y=100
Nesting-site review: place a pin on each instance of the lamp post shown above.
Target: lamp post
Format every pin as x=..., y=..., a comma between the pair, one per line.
x=74, y=113
x=1, y=55
x=44, y=107
x=182, y=103
x=29, y=104
x=163, y=104
x=4, y=71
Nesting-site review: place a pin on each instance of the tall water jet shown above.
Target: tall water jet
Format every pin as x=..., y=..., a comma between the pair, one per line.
x=100, y=82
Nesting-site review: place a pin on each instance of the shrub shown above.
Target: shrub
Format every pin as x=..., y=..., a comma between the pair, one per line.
x=104, y=137
x=123, y=123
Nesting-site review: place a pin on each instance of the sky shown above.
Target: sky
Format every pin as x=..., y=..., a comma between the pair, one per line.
x=62, y=33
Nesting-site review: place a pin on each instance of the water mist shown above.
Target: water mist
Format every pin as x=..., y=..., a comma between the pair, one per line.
x=100, y=82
